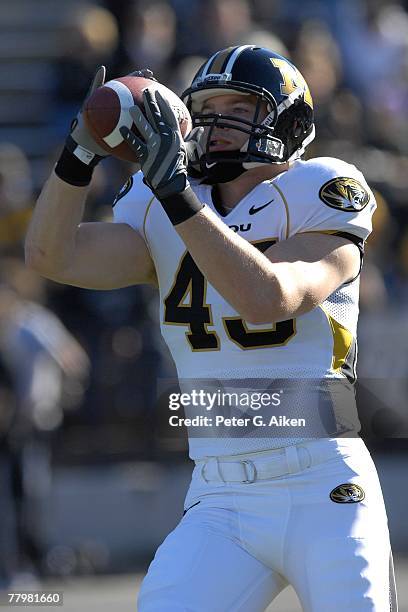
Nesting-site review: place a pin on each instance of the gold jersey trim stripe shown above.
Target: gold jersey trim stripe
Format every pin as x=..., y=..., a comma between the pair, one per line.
x=147, y=242
x=342, y=342
x=145, y=219
x=286, y=209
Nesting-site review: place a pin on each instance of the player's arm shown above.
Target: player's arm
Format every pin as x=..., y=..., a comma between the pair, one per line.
x=291, y=278
x=91, y=255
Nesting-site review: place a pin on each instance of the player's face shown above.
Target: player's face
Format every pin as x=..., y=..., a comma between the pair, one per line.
x=234, y=105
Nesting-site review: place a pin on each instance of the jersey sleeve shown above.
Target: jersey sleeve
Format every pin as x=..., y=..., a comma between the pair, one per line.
x=132, y=202
x=330, y=196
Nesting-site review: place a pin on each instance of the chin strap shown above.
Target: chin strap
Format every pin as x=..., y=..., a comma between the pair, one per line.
x=221, y=172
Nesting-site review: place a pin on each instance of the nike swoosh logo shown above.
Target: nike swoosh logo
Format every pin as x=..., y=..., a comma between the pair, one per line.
x=253, y=210
x=192, y=506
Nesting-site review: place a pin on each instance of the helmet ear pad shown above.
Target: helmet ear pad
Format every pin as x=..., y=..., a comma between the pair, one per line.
x=292, y=125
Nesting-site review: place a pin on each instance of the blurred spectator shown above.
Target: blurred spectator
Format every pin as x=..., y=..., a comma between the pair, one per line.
x=39, y=350
x=44, y=363
x=317, y=55
x=8, y=548
x=15, y=196
x=374, y=41
x=222, y=23
x=150, y=36
x=90, y=39
x=374, y=294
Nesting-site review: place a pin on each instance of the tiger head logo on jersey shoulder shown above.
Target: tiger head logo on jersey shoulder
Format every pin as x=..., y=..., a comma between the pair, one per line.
x=281, y=136
x=347, y=493
x=346, y=194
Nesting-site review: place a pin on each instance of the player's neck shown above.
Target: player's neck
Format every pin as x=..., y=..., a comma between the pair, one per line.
x=232, y=192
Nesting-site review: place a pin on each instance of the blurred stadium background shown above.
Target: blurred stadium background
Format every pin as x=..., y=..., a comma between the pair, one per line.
x=91, y=480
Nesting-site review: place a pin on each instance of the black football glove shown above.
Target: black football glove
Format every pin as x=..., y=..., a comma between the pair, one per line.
x=80, y=142
x=163, y=156
x=162, y=153
x=81, y=153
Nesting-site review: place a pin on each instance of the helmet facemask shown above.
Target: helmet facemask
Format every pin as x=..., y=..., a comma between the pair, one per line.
x=262, y=147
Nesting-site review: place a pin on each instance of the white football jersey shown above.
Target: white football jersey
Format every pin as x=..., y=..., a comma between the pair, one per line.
x=209, y=340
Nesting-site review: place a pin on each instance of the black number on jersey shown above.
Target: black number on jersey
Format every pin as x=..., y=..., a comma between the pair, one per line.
x=277, y=335
x=185, y=305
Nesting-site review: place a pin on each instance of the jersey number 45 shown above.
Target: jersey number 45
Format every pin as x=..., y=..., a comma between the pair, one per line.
x=186, y=305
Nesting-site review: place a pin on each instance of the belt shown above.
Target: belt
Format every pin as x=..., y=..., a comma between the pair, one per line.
x=268, y=464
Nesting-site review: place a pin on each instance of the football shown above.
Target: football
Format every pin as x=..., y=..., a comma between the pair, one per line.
x=106, y=111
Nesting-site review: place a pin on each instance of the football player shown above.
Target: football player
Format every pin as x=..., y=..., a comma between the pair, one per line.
x=257, y=254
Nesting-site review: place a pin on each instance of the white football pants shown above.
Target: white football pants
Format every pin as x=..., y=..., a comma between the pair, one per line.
x=258, y=522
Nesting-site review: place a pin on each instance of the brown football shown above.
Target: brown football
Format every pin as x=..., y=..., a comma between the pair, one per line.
x=106, y=111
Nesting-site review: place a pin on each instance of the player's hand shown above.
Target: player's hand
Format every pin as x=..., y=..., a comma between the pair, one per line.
x=80, y=142
x=162, y=153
